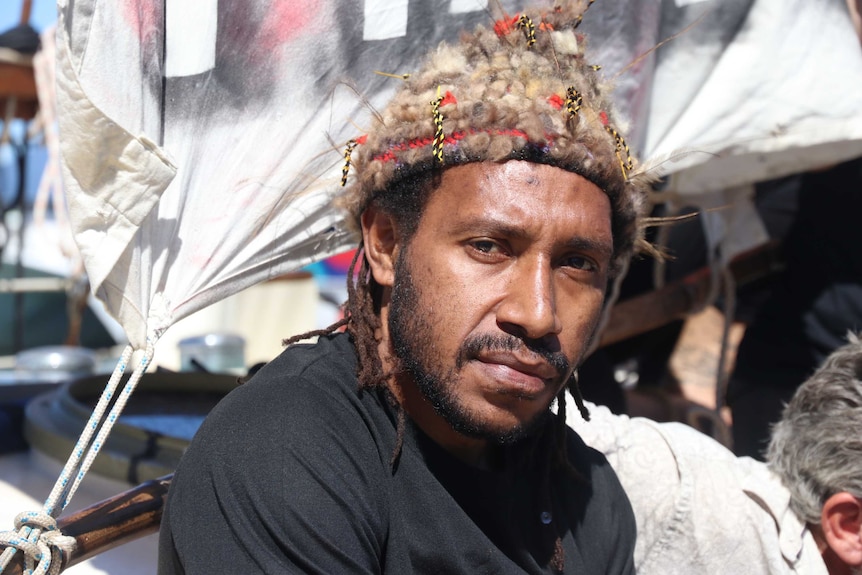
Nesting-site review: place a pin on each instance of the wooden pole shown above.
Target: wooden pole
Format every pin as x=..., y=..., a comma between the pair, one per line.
x=683, y=297
x=110, y=523
x=26, y=9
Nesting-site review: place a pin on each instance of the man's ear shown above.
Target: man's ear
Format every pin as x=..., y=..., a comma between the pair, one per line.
x=380, y=241
x=841, y=521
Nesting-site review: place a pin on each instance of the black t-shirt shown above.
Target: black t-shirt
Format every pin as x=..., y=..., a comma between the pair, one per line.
x=291, y=473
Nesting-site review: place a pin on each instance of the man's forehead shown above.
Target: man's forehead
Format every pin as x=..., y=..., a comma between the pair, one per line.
x=513, y=167
x=479, y=179
x=518, y=196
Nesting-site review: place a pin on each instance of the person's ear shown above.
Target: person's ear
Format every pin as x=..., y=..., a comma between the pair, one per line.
x=841, y=521
x=380, y=241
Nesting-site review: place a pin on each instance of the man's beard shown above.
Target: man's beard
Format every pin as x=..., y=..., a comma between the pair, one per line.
x=412, y=337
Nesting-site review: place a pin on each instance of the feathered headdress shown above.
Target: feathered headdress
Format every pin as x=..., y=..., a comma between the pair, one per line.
x=519, y=90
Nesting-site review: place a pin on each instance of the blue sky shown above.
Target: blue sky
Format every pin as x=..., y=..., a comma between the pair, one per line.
x=43, y=13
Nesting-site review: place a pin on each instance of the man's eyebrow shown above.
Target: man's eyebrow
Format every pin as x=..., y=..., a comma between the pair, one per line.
x=489, y=225
x=584, y=244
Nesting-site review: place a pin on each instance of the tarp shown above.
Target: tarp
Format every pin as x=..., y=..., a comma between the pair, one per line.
x=202, y=139
x=756, y=90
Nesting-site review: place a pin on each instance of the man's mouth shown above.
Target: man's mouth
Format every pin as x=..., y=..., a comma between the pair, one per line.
x=532, y=366
x=517, y=376
x=513, y=366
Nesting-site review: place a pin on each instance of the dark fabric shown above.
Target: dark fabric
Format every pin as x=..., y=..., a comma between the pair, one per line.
x=291, y=473
x=648, y=353
x=597, y=384
x=12, y=426
x=755, y=410
x=811, y=307
x=22, y=38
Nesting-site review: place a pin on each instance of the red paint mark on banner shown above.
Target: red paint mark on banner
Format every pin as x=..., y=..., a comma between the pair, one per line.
x=145, y=17
x=285, y=21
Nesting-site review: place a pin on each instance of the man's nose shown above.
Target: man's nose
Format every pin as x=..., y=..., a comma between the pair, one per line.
x=529, y=308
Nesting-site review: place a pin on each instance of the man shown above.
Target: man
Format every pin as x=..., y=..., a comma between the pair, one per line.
x=816, y=450
x=496, y=205
x=702, y=510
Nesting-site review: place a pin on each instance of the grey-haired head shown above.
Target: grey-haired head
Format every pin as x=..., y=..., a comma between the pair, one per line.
x=816, y=447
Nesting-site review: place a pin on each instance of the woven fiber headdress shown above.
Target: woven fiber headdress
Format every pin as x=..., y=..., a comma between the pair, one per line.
x=519, y=90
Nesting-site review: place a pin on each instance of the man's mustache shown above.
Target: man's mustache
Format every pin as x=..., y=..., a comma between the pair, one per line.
x=473, y=347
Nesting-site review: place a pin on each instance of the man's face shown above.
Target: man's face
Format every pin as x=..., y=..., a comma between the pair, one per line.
x=496, y=296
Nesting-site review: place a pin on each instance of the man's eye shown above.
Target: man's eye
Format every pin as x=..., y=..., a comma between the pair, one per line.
x=485, y=246
x=580, y=263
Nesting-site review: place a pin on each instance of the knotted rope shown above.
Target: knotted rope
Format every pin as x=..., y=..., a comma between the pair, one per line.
x=43, y=545
x=36, y=533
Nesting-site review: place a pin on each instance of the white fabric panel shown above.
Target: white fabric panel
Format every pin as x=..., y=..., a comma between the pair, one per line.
x=462, y=6
x=184, y=190
x=385, y=19
x=190, y=36
x=730, y=220
x=116, y=180
x=784, y=95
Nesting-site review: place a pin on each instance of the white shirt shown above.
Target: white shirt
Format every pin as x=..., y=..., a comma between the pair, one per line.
x=699, y=508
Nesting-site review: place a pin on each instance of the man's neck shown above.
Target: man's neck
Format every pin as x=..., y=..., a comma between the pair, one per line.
x=834, y=564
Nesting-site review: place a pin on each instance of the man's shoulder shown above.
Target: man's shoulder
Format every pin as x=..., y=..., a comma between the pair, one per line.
x=302, y=372
x=605, y=488
x=297, y=445
x=601, y=505
x=330, y=356
x=588, y=460
x=307, y=389
x=302, y=407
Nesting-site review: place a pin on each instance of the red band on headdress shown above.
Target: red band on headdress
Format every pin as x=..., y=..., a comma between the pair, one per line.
x=391, y=154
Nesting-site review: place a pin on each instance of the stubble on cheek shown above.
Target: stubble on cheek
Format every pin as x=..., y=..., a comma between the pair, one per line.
x=439, y=374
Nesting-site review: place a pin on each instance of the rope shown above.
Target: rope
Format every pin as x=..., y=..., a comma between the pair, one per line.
x=62, y=485
x=43, y=545
x=722, y=373
x=36, y=533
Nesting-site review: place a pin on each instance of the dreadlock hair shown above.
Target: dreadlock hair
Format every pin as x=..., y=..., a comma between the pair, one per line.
x=560, y=428
x=405, y=203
